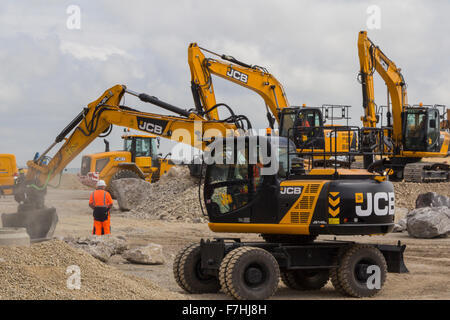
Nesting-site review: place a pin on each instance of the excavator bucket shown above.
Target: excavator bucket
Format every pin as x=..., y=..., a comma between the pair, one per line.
x=40, y=223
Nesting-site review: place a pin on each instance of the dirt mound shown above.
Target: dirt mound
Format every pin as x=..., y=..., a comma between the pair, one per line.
x=39, y=272
x=68, y=181
x=173, y=198
x=406, y=193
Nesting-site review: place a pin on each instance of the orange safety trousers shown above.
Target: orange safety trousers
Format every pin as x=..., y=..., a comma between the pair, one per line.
x=102, y=227
x=101, y=199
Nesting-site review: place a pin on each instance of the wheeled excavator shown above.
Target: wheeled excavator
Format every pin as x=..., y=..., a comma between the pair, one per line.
x=411, y=132
x=94, y=121
x=258, y=184
x=304, y=125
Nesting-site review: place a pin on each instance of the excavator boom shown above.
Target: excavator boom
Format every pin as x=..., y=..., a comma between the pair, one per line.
x=189, y=128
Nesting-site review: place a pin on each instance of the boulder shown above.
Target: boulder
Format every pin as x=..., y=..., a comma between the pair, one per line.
x=150, y=254
x=130, y=192
x=100, y=247
x=400, y=226
x=429, y=222
x=432, y=199
x=400, y=213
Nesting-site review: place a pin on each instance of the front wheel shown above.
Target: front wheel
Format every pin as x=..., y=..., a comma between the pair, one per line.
x=249, y=273
x=189, y=274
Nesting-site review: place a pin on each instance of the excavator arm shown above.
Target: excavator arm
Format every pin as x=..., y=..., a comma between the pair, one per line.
x=372, y=59
x=189, y=128
x=95, y=120
x=255, y=78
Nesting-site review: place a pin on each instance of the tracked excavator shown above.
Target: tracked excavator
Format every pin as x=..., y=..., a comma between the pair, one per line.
x=411, y=132
x=94, y=121
x=305, y=125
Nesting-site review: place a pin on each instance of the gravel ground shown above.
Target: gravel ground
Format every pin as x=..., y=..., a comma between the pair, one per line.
x=39, y=272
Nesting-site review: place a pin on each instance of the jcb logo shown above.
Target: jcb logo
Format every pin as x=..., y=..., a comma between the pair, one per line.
x=150, y=127
x=237, y=75
x=291, y=190
x=380, y=203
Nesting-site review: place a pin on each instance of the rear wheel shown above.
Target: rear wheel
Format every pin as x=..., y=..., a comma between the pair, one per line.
x=362, y=271
x=189, y=274
x=305, y=279
x=249, y=273
x=121, y=174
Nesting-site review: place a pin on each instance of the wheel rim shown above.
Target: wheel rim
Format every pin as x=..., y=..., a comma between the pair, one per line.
x=360, y=270
x=199, y=273
x=255, y=275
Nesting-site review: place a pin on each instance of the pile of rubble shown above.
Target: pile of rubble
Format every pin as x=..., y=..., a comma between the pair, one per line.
x=56, y=270
x=108, y=247
x=429, y=219
x=173, y=198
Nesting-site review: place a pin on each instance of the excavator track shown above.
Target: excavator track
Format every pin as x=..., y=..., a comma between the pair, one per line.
x=426, y=172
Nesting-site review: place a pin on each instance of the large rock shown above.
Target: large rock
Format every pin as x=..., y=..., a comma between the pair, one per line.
x=400, y=226
x=400, y=214
x=429, y=222
x=150, y=254
x=100, y=247
x=432, y=199
x=130, y=192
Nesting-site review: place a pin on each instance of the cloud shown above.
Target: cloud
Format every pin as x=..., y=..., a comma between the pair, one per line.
x=49, y=73
x=82, y=51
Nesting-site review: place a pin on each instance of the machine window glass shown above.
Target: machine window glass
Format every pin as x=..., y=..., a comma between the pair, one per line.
x=100, y=164
x=415, y=131
x=288, y=122
x=143, y=148
x=127, y=145
x=433, y=128
x=154, y=148
x=229, y=184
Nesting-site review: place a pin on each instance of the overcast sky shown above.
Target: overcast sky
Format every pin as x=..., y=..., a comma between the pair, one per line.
x=50, y=72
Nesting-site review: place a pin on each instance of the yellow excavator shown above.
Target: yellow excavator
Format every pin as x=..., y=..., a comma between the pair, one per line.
x=8, y=172
x=139, y=159
x=304, y=125
x=93, y=121
x=411, y=132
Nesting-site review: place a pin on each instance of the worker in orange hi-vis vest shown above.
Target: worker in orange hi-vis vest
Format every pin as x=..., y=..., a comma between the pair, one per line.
x=101, y=201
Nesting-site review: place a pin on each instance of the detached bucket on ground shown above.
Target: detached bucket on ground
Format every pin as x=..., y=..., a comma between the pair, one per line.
x=40, y=224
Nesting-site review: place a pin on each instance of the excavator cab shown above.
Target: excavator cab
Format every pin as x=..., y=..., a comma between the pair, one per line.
x=304, y=126
x=257, y=185
x=421, y=129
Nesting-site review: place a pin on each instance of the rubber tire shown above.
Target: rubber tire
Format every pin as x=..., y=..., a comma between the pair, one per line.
x=334, y=276
x=233, y=274
x=187, y=273
x=302, y=280
x=348, y=282
x=121, y=174
x=222, y=273
x=176, y=265
x=288, y=238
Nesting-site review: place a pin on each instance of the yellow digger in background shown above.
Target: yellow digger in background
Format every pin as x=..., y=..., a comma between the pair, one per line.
x=140, y=158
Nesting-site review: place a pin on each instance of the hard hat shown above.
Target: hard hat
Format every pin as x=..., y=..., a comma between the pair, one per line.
x=101, y=183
